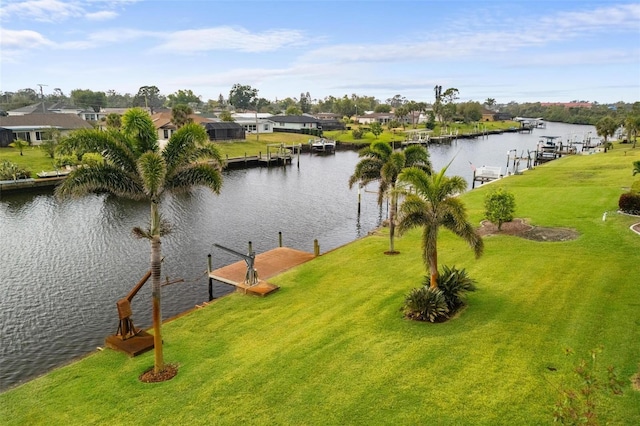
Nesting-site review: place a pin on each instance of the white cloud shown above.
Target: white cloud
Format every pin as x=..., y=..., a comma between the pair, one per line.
x=228, y=38
x=22, y=39
x=42, y=10
x=102, y=15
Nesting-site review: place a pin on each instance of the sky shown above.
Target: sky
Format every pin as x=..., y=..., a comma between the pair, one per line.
x=516, y=50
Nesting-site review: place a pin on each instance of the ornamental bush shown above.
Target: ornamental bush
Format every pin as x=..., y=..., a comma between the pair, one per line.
x=357, y=133
x=629, y=202
x=454, y=283
x=500, y=206
x=425, y=304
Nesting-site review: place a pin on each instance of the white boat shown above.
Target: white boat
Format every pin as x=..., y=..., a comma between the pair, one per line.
x=322, y=145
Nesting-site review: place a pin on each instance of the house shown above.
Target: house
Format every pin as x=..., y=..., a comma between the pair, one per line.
x=166, y=128
x=295, y=123
x=253, y=122
x=216, y=130
x=31, y=127
x=62, y=108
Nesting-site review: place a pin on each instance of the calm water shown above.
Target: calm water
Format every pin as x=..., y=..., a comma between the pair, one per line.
x=64, y=264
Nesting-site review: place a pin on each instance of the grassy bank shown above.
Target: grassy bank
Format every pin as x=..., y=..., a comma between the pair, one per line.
x=331, y=347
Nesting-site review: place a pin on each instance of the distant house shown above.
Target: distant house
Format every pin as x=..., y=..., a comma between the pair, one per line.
x=31, y=127
x=567, y=105
x=217, y=130
x=165, y=127
x=379, y=117
x=62, y=108
x=252, y=122
x=295, y=123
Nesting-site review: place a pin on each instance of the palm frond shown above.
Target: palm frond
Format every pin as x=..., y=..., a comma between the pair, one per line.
x=198, y=174
x=152, y=169
x=103, y=177
x=137, y=125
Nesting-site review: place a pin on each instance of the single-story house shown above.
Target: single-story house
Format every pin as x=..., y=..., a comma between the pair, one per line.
x=252, y=122
x=166, y=128
x=31, y=127
x=295, y=123
x=380, y=117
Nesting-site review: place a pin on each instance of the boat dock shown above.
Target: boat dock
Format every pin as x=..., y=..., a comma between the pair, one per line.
x=268, y=264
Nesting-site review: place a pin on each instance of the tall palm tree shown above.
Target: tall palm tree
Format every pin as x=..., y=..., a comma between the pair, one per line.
x=136, y=169
x=431, y=204
x=380, y=163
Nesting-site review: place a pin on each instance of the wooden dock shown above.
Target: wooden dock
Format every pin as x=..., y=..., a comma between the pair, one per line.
x=268, y=264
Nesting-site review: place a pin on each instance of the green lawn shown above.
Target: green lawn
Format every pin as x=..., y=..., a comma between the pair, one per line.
x=331, y=347
x=33, y=158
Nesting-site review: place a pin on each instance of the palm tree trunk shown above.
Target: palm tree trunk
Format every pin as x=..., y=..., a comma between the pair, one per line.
x=433, y=268
x=156, y=265
x=392, y=220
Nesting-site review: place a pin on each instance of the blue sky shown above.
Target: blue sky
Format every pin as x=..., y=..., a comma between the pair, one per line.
x=516, y=50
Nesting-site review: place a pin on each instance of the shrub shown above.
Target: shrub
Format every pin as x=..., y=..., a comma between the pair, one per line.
x=454, y=283
x=357, y=133
x=629, y=203
x=11, y=171
x=425, y=304
x=65, y=160
x=500, y=206
x=92, y=159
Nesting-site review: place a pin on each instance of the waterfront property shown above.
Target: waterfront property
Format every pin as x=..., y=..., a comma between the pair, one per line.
x=331, y=347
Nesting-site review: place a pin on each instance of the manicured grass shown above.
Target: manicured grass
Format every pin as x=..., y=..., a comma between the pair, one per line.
x=331, y=347
x=33, y=158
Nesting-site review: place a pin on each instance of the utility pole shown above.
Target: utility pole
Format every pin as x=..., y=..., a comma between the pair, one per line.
x=42, y=97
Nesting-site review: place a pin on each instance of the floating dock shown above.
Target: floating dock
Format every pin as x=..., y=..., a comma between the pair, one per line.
x=268, y=264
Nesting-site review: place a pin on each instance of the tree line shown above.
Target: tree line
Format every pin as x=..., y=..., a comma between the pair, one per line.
x=444, y=107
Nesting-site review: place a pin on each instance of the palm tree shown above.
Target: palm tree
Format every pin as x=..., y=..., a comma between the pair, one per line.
x=20, y=144
x=380, y=163
x=432, y=204
x=136, y=169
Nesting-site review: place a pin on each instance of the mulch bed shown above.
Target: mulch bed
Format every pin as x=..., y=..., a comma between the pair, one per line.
x=168, y=373
x=519, y=228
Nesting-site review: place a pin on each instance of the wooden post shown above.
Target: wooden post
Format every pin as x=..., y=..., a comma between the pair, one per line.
x=316, y=247
x=359, y=197
x=250, y=248
x=299, y=149
x=473, y=182
x=279, y=238
x=210, y=279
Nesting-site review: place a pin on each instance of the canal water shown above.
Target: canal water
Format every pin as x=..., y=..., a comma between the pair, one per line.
x=64, y=264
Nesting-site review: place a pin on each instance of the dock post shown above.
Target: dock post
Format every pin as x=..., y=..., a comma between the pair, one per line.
x=299, y=149
x=316, y=247
x=359, y=197
x=473, y=182
x=250, y=248
x=210, y=279
x=279, y=238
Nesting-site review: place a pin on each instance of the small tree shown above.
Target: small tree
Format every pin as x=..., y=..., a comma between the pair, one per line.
x=376, y=129
x=500, y=206
x=226, y=116
x=20, y=144
x=51, y=138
